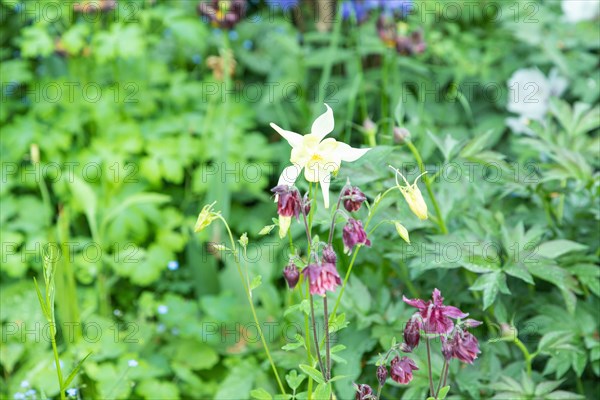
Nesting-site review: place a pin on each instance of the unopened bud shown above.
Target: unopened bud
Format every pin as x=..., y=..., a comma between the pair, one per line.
x=291, y=275
x=329, y=255
x=382, y=374
x=401, y=134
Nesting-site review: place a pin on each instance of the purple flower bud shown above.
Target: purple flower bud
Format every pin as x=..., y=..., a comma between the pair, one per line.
x=382, y=374
x=412, y=333
x=471, y=323
x=363, y=392
x=306, y=204
x=291, y=275
x=353, y=198
x=354, y=234
x=447, y=350
x=329, y=255
x=401, y=134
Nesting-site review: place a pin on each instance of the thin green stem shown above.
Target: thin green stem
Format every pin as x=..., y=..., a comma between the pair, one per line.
x=57, y=360
x=251, y=302
x=327, y=348
x=315, y=337
x=432, y=393
x=528, y=356
x=427, y=181
x=442, y=377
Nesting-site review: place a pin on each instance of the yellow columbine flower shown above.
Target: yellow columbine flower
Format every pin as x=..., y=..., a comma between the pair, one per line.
x=319, y=157
x=413, y=195
x=206, y=217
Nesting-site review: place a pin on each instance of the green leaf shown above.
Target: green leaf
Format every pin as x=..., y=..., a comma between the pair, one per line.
x=139, y=198
x=443, y=392
x=294, y=380
x=323, y=391
x=87, y=201
x=73, y=373
x=490, y=284
x=313, y=373
x=556, y=248
x=260, y=394
x=42, y=301
x=256, y=282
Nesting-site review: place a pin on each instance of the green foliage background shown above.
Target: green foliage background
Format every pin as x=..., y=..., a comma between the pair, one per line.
x=122, y=175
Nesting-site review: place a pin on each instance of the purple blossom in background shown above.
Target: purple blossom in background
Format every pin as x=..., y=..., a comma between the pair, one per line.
x=402, y=369
x=436, y=316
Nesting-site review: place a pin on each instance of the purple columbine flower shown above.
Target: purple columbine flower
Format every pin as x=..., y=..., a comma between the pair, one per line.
x=402, y=369
x=363, y=392
x=288, y=200
x=291, y=275
x=436, y=316
x=322, y=278
x=353, y=198
x=464, y=346
x=412, y=334
x=354, y=234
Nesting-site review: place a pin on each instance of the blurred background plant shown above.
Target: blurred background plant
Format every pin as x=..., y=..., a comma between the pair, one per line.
x=121, y=118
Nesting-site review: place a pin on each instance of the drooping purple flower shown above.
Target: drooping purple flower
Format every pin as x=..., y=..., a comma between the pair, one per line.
x=412, y=333
x=291, y=275
x=353, y=198
x=464, y=346
x=436, y=316
x=363, y=392
x=354, y=234
x=447, y=349
x=288, y=200
x=382, y=374
x=402, y=368
x=322, y=278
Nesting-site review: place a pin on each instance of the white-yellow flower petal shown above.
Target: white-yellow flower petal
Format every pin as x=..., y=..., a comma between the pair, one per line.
x=289, y=175
x=324, y=181
x=348, y=153
x=293, y=138
x=324, y=124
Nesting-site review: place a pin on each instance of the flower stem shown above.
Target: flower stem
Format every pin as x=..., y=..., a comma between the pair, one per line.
x=443, y=375
x=327, y=348
x=316, y=338
x=251, y=302
x=432, y=393
x=528, y=356
x=440, y=219
x=57, y=359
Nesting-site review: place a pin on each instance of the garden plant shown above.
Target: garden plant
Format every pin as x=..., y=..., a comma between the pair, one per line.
x=300, y=199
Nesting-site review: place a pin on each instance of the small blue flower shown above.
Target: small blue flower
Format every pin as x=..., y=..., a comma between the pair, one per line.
x=217, y=32
x=72, y=392
x=233, y=35
x=25, y=384
x=30, y=392
x=162, y=309
x=160, y=328
x=132, y=363
x=167, y=33
x=248, y=44
x=174, y=265
x=18, y=7
x=19, y=396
